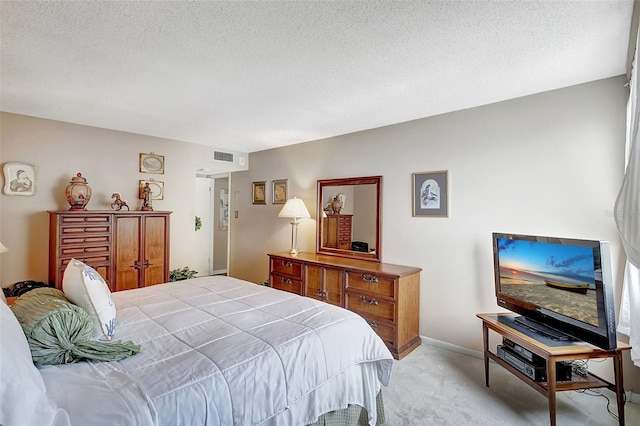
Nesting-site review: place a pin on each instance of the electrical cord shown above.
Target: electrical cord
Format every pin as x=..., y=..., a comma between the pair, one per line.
x=581, y=368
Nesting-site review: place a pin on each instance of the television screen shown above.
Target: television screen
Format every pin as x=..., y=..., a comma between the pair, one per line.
x=564, y=284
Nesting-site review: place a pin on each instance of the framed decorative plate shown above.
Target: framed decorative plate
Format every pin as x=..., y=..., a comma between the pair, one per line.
x=152, y=163
x=19, y=179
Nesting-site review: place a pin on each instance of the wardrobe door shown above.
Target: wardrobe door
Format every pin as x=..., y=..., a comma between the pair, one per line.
x=127, y=251
x=155, y=247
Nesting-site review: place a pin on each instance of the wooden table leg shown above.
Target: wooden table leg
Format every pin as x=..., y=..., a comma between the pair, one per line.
x=617, y=369
x=485, y=338
x=551, y=388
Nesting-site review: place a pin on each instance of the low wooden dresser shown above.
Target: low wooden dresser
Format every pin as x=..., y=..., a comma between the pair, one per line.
x=387, y=296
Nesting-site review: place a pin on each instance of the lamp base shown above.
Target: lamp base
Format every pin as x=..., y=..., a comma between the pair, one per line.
x=294, y=251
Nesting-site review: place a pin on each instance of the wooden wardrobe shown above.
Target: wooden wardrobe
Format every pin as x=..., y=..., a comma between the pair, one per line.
x=129, y=249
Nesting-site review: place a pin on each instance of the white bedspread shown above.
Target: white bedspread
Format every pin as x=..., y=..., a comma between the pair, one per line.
x=221, y=351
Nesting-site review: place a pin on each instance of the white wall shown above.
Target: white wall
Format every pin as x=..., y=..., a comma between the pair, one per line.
x=110, y=162
x=544, y=164
x=548, y=164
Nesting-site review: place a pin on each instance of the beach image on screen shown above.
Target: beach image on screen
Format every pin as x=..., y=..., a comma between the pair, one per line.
x=557, y=277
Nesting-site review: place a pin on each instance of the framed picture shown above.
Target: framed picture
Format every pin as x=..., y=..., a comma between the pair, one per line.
x=19, y=179
x=152, y=163
x=224, y=210
x=259, y=192
x=157, y=189
x=430, y=194
x=280, y=191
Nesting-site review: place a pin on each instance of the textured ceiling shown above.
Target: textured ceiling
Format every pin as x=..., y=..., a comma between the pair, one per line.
x=248, y=76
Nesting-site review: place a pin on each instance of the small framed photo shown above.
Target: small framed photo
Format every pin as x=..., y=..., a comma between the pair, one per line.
x=19, y=179
x=152, y=163
x=157, y=189
x=430, y=194
x=223, y=223
x=259, y=192
x=280, y=191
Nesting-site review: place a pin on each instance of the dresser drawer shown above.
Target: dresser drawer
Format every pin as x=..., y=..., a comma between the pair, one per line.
x=68, y=240
x=386, y=331
x=371, y=283
x=287, y=267
x=85, y=219
x=366, y=306
x=92, y=260
x=286, y=283
x=86, y=229
x=78, y=251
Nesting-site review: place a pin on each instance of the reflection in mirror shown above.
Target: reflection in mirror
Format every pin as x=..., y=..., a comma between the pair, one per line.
x=349, y=217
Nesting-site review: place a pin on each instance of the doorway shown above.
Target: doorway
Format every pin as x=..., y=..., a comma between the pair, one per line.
x=212, y=239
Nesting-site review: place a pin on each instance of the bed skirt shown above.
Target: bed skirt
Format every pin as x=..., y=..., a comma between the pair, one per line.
x=353, y=415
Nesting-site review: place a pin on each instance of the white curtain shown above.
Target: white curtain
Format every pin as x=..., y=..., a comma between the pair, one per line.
x=627, y=215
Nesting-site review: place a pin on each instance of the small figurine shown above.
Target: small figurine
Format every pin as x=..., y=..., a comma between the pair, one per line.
x=119, y=203
x=146, y=198
x=336, y=204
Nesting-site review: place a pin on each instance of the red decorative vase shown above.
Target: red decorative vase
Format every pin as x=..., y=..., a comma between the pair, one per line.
x=78, y=193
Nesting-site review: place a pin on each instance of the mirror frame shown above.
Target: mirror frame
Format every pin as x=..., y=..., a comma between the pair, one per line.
x=367, y=180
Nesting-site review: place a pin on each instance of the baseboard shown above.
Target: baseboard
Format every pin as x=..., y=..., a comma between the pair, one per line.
x=632, y=397
x=451, y=347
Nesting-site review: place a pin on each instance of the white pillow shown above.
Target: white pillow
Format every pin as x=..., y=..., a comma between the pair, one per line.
x=84, y=287
x=22, y=390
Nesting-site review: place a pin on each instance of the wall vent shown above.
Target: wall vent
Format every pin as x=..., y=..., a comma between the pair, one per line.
x=223, y=156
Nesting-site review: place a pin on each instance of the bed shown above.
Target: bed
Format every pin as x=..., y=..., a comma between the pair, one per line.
x=215, y=351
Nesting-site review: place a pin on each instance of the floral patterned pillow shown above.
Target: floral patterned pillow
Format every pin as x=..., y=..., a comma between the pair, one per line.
x=84, y=287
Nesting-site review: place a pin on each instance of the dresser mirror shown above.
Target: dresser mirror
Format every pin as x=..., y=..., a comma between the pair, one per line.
x=349, y=215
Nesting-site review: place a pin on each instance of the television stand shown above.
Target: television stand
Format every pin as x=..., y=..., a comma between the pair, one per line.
x=552, y=354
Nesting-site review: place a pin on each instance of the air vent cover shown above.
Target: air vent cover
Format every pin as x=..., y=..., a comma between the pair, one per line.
x=223, y=156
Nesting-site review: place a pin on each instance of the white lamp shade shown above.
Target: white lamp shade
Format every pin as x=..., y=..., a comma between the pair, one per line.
x=3, y=248
x=294, y=207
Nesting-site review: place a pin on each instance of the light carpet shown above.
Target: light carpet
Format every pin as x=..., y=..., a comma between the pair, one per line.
x=435, y=386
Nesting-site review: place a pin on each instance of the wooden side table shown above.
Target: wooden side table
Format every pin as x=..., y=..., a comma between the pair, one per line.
x=553, y=354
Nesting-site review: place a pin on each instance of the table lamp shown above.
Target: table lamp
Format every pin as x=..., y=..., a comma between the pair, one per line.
x=295, y=208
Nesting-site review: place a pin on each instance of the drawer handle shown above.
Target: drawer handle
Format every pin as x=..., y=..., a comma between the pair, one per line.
x=324, y=295
x=369, y=302
x=285, y=280
x=370, y=278
x=373, y=324
x=286, y=263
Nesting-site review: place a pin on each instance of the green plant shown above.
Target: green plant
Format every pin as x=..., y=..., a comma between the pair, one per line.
x=198, y=223
x=180, y=274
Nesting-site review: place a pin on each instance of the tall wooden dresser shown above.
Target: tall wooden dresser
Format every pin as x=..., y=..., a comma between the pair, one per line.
x=128, y=249
x=337, y=231
x=387, y=296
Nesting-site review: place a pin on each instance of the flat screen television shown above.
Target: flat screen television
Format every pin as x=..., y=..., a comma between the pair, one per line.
x=561, y=287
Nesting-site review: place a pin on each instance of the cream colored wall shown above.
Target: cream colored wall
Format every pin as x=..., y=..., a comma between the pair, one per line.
x=548, y=164
x=544, y=164
x=110, y=162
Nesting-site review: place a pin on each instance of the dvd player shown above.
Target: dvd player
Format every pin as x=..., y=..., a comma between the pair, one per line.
x=523, y=352
x=530, y=369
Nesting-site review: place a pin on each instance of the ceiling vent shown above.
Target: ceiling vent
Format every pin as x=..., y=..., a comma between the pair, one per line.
x=223, y=156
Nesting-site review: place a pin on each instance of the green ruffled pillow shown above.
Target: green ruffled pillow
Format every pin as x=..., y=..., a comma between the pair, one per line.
x=59, y=332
